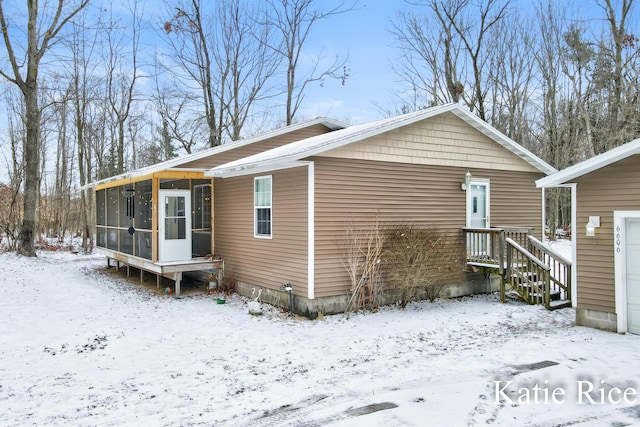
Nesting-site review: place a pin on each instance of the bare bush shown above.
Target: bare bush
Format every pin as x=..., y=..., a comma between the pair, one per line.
x=10, y=216
x=421, y=259
x=362, y=248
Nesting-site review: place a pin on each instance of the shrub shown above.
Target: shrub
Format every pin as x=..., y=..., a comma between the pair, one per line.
x=361, y=248
x=421, y=259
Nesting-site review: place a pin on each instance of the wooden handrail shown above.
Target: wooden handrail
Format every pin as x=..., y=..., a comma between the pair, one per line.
x=535, y=271
x=537, y=243
x=528, y=254
x=561, y=267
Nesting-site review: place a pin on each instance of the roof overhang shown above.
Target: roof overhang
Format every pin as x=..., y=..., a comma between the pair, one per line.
x=504, y=140
x=590, y=165
x=241, y=171
x=318, y=144
x=174, y=164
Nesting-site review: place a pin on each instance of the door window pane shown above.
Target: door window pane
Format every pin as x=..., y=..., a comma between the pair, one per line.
x=175, y=222
x=174, y=206
x=175, y=228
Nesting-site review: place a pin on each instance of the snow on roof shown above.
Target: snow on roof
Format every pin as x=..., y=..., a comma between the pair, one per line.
x=288, y=155
x=178, y=161
x=590, y=165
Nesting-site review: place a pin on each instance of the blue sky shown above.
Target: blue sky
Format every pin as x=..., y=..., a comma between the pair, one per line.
x=364, y=35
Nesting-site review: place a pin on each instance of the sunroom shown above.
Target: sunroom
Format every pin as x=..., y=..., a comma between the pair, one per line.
x=159, y=222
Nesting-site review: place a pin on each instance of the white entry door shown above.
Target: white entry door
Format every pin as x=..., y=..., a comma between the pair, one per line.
x=632, y=264
x=175, y=225
x=478, y=204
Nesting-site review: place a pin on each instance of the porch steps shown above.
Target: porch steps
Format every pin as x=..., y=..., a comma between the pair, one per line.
x=535, y=272
x=530, y=292
x=555, y=305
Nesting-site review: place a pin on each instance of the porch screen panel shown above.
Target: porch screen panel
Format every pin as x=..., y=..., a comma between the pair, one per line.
x=112, y=239
x=142, y=218
x=143, y=244
x=101, y=219
x=101, y=237
x=143, y=196
x=112, y=206
x=201, y=217
x=175, y=184
x=126, y=198
x=126, y=242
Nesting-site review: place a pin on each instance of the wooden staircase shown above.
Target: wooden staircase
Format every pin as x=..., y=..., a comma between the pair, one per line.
x=535, y=272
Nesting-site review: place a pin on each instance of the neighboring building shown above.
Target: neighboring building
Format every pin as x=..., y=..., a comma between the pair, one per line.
x=279, y=213
x=606, y=226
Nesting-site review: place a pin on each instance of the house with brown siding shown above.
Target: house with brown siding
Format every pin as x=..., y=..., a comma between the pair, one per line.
x=606, y=226
x=160, y=218
x=280, y=214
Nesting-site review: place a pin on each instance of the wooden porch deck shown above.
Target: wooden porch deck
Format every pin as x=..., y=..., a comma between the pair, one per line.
x=171, y=270
x=534, y=271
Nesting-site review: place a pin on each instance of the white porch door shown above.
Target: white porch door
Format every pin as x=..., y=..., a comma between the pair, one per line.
x=632, y=264
x=175, y=225
x=478, y=205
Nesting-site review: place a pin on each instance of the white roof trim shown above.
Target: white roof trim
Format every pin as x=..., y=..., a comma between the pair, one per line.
x=590, y=165
x=174, y=163
x=266, y=168
x=321, y=143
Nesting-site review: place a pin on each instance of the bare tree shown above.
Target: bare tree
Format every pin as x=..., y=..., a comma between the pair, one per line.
x=461, y=30
x=511, y=79
x=122, y=76
x=81, y=74
x=294, y=20
x=175, y=108
x=473, y=33
x=190, y=44
x=11, y=200
x=51, y=19
x=228, y=58
x=614, y=52
x=429, y=60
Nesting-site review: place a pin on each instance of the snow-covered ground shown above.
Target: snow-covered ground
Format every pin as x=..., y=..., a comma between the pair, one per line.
x=83, y=346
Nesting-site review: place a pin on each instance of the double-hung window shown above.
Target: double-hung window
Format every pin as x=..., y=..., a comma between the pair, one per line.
x=262, y=206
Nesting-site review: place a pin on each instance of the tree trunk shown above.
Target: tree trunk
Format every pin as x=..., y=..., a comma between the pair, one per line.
x=31, y=155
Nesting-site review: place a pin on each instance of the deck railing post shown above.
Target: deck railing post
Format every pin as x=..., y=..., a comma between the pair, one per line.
x=501, y=249
x=547, y=289
x=505, y=273
x=465, y=248
x=567, y=280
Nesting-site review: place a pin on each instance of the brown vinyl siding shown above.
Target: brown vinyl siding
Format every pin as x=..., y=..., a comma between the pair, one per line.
x=515, y=200
x=357, y=191
x=260, y=261
x=443, y=140
x=258, y=147
x=612, y=188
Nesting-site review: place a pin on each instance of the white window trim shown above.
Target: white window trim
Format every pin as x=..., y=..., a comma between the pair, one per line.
x=478, y=181
x=619, y=245
x=255, y=219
